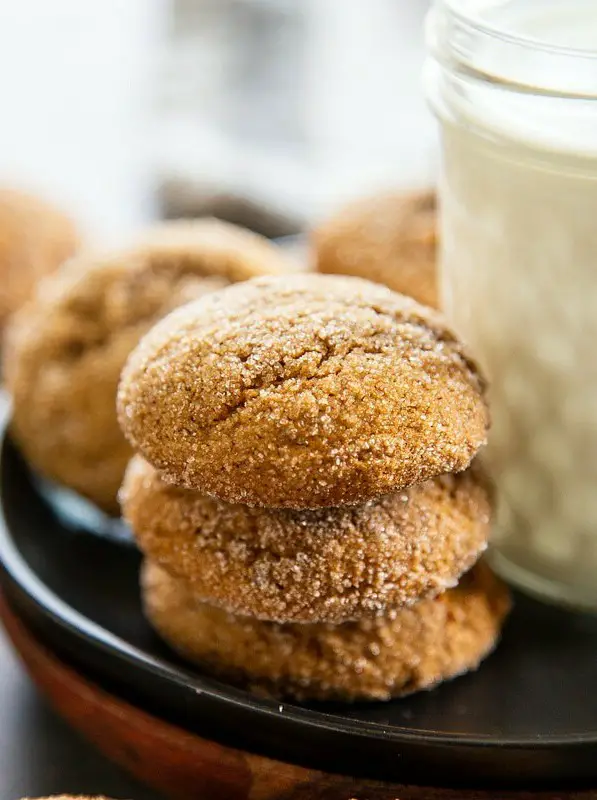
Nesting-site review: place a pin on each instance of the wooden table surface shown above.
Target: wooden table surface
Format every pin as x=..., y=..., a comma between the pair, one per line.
x=40, y=755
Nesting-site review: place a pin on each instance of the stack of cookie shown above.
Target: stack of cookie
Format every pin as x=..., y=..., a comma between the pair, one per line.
x=302, y=492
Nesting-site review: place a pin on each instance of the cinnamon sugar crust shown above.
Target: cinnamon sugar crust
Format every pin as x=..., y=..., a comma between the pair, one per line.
x=303, y=391
x=65, y=350
x=373, y=659
x=326, y=565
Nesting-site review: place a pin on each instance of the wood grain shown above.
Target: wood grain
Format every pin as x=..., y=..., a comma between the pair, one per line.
x=186, y=767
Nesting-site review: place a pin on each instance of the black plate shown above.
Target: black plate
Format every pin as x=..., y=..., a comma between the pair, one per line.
x=529, y=715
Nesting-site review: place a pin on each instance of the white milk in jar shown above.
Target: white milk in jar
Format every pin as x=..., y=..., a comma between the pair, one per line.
x=514, y=83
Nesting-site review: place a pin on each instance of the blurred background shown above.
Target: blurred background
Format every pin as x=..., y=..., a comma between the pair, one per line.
x=270, y=113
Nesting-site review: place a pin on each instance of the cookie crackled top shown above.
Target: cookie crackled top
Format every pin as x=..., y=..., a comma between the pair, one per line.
x=302, y=391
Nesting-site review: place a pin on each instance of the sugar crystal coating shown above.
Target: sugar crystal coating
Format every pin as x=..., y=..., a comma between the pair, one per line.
x=303, y=391
x=373, y=659
x=325, y=565
x=65, y=350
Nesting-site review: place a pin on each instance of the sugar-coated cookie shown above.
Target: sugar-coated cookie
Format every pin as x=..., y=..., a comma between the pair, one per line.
x=373, y=659
x=35, y=238
x=65, y=349
x=303, y=391
x=325, y=565
x=390, y=238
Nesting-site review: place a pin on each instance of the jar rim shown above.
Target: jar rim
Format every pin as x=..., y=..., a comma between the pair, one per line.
x=462, y=40
x=477, y=21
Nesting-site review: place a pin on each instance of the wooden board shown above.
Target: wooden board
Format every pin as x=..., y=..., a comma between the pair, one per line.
x=185, y=766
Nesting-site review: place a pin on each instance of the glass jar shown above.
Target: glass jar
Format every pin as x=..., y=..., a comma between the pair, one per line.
x=514, y=83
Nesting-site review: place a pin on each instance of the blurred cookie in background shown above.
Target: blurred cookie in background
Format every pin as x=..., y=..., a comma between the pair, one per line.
x=65, y=349
x=389, y=239
x=35, y=238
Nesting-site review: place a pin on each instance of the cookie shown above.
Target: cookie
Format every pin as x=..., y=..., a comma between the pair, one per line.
x=389, y=239
x=35, y=238
x=303, y=391
x=373, y=659
x=66, y=349
x=326, y=565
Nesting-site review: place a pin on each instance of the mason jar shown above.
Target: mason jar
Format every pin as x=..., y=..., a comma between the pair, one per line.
x=514, y=85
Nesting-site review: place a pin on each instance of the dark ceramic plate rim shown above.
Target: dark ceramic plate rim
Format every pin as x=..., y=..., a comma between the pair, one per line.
x=52, y=607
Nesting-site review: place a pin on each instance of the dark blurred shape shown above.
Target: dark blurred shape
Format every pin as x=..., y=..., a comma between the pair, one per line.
x=180, y=199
